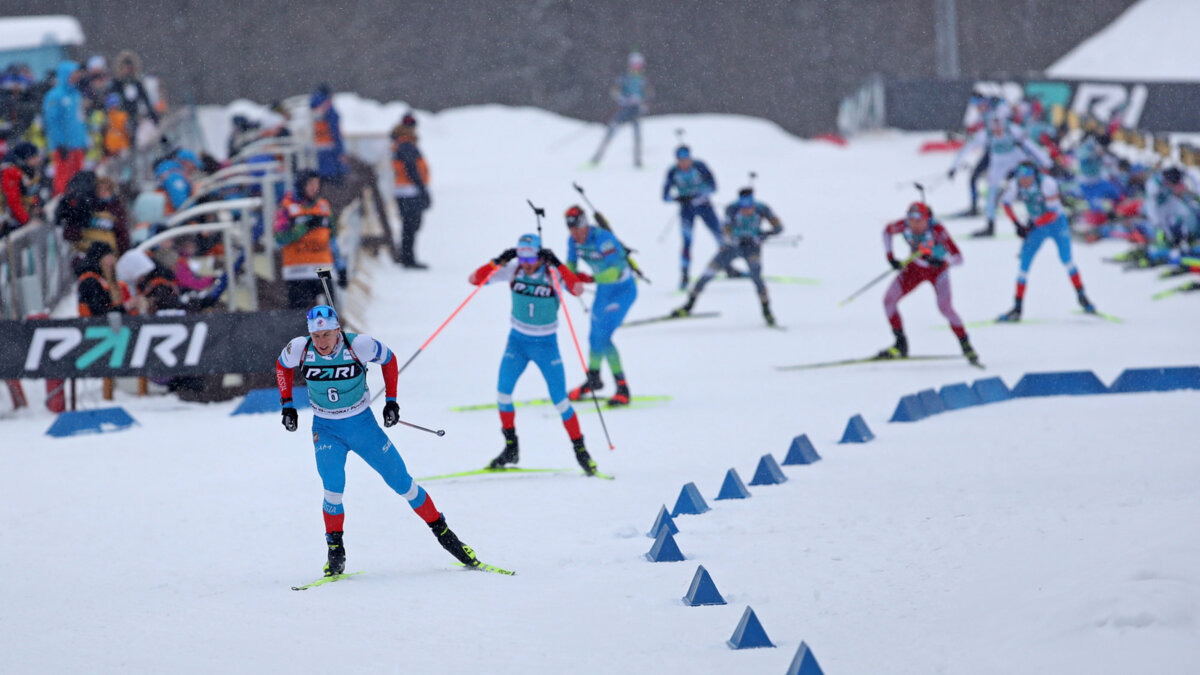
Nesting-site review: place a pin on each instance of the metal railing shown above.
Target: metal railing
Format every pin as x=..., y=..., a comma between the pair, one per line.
x=35, y=270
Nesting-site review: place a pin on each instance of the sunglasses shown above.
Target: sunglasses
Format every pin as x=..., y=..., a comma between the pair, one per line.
x=320, y=312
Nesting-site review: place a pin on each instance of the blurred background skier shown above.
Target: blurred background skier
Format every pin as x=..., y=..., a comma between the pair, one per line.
x=631, y=92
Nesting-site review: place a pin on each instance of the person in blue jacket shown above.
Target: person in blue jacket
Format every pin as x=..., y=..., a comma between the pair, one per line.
x=66, y=130
x=327, y=134
x=693, y=184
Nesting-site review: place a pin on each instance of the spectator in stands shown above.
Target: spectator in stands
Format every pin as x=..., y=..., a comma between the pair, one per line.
x=94, y=83
x=66, y=133
x=19, y=103
x=127, y=83
x=92, y=210
x=19, y=175
x=118, y=131
x=327, y=133
x=158, y=288
x=173, y=183
x=412, y=187
x=99, y=291
x=305, y=228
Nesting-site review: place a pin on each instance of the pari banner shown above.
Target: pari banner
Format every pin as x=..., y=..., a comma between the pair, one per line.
x=154, y=346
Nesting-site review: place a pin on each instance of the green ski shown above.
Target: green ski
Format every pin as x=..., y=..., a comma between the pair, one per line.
x=486, y=472
x=872, y=359
x=1101, y=315
x=484, y=567
x=1190, y=286
x=325, y=580
x=645, y=400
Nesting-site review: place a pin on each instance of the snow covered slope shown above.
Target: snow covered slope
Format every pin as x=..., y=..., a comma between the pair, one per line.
x=1043, y=536
x=1154, y=40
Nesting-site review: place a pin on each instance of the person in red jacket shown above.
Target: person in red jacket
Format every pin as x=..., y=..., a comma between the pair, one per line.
x=18, y=182
x=933, y=253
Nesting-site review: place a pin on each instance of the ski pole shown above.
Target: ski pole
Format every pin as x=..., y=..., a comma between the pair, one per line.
x=439, y=328
x=603, y=222
x=874, y=281
x=666, y=228
x=437, y=432
x=554, y=280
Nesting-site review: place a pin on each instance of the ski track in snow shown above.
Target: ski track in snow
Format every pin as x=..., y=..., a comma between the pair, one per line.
x=1042, y=535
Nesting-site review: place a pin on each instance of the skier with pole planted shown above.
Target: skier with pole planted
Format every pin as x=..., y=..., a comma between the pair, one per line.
x=933, y=253
x=1047, y=220
x=534, y=337
x=616, y=291
x=1007, y=146
x=743, y=236
x=693, y=183
x=333, y=365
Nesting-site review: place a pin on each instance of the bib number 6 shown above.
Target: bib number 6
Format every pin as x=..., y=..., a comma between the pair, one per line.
x=332, y=395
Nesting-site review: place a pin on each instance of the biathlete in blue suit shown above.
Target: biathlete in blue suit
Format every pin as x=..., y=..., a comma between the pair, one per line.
x=693, y=183
x=616, y=289
x=534, y=337
x=333, y=365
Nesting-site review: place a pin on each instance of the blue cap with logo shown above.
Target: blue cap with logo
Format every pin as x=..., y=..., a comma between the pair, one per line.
x=322, y=317
x=527, y=248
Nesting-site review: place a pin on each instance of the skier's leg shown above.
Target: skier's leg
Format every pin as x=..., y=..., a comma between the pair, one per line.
x=945, y=303
x=331, y=452
x=687, y=217
x=512, y=365
x=637, y=139
x=608, y=134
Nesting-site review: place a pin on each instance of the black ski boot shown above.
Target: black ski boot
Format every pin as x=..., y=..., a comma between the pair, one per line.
x=622, y=395
x=686, y=309
x=511, y=452
x=1011, y=316
x=896, y=351
x=337, y=554
x=449, y=541
x=968, y=350
x=1085, y=303
x=767, y=315
x=988, y=231
x=593, y=383
x=585, y=460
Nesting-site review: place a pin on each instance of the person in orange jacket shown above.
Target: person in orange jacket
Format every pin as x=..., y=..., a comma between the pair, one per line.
x=305, y=228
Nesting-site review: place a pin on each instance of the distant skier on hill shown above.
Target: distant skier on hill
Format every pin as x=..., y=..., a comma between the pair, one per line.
x=616, y=291
x=1007, y=146
x=743, y=239
x=343, y=422
x=631, y=92
x=534, y=337
x=1047, y=219
x=694, y=184
x=933, y=253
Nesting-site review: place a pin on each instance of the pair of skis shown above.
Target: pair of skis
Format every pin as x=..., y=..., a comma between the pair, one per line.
x=879, y=359
x=482, y=567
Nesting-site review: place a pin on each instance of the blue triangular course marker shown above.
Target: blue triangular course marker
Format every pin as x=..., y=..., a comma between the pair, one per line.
x=703, y=591
x=857, y=431
x=768, y=472
x=689, y=501
x=98, y=421
x=267, y=401
x=909, y=409
x=804, y=663
x=664, y=549
x=749, y=633
x=931, y=402
x=1157, y=379
x=801, y=452
x=1071, y=383
x=991, y=390
x=663, y=520
x=733, y=487
x=958, y=396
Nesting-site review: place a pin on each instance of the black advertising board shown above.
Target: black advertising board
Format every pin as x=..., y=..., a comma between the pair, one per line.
x=157, y=346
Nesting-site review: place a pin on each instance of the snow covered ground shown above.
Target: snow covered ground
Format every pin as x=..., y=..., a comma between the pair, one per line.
x=1042, y=536
x=1153, y=40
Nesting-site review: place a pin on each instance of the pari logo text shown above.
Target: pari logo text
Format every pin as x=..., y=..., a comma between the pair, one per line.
x=170, y=343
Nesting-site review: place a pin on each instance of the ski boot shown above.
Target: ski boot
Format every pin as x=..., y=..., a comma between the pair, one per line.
x=337, y=554
x=1086, y=304
x=767, y=315
x=511, y=452
x=593, y=383
x=988, y=231
x=968, y=350
x=449, y=541
x=622, y=396
x=896, y=351
x=585, y=460
x=1013, y=315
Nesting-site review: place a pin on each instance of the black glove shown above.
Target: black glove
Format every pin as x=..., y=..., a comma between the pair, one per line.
x=896, y=264
x=547, y=256
x=290, y=419
x=504, y=257
x=684, y=201
x=951, y=172
x=935, y=263
x=342, y=281
x=1023, y=230
x=391, y=413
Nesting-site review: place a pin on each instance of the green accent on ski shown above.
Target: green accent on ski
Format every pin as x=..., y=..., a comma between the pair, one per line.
x=1101, y=315
x=774, y=278
x=486, y=471
x=872, y=359
x=601, y=475
x=484, y=567
x=1188, y=287
x=326, y=580
x=645, y=400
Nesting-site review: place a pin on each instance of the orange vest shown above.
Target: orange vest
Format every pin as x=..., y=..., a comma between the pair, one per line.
x=116, y=137
x=402, y=177
x=312, y=250
x=322, y=133
x=84, y=310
